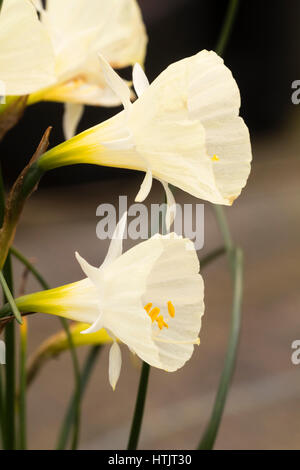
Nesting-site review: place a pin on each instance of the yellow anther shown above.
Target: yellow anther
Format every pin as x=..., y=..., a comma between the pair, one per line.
x=154, y=313
x=148, y=307
x=171, y=309
x=215, y=158
x=161, y=323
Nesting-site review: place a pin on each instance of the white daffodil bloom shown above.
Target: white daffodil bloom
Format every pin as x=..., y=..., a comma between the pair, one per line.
x=79, y=30
x=184, y=129
x=26, y=54
x=149, y=298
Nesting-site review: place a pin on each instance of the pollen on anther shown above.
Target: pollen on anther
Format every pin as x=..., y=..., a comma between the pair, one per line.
x=171, y=309
x=161, y=323
x=148, y=307
x=154, y=313
x=215, y=158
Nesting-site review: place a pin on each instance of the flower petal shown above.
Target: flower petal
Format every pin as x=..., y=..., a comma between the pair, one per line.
x=26, y=54
x=90, y=271
x=171, y=205
x=116, y=83
x=115, y=363
x=140, y=80
x=116, y=245
x=145, y=187
x=72, y=115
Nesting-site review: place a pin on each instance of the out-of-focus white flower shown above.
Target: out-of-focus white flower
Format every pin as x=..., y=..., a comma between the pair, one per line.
x=150, y=298
x=184, y=130
x=79, y=30
x=26, y=54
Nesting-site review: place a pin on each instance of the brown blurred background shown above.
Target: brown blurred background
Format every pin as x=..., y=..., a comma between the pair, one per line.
x=263, y=409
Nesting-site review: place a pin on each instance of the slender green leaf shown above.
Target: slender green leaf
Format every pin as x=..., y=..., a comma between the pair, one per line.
x=70, y=415
x=210, y=434
x=10, y=299
x=139, y=408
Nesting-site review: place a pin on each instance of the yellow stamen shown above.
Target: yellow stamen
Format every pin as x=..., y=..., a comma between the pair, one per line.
x=215, y=158
x=148, y=307
x=154, y=313
x=161, y=323
x=171, y=309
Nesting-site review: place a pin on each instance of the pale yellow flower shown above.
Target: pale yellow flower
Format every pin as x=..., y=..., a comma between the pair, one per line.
x=184, y=129
x=26, y=54
x=79, y=29
x=149, y=298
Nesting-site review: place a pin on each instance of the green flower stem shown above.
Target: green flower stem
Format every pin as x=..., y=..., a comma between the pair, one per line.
x=208, y=440
x=10, y=299
x=23, y=387
x=227, y=26
x=65, y=325
x=71, y=411
x=8, y=399
x=2, y=427
x=235, y=259
x=10, y=379
x=1, y=1
x=139, y=408
x=2, y=419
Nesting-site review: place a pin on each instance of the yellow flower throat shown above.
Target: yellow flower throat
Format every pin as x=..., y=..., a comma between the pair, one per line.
x=154, y=314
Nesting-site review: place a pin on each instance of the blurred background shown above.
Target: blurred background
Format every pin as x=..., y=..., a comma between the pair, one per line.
x=263, y=409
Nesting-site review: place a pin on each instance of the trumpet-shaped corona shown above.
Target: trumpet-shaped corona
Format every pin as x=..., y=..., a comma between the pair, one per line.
x=116, y=297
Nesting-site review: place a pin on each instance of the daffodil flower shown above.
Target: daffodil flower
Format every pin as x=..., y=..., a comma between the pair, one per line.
x=184, y=129
x=26, y=54
x=149, y=298
x=79, y=30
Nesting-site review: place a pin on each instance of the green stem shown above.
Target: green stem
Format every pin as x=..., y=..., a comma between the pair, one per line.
x=227, y=26
x=10, y=382
x=23, y=387
x=2, y=428
x=212, y=256
x=10, y=299
x=17, y=254
x=65, y=326
x=70, y=415
x=209, y=437
x=2, y=210
x=139, y=408
x=235, y=259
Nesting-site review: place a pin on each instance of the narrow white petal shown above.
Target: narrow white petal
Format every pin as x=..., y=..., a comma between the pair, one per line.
x=140, y=80
x=116, y=244
x=171, y=205
x=72, y=114
x=96, y=326
x=145, y=187
x=90, y=271
x=116, y=83
x=115, y=363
